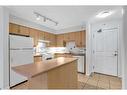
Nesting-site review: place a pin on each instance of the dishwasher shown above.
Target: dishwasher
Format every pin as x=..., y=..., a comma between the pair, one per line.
x=80, y=63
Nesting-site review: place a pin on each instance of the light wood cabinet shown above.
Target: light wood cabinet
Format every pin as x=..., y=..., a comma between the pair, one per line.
x=79, y=38
x=24, y=30
x=34, y=35
x=60, y=40
x=40, y=35
x=18, y=29
x=14, y=28
x=66, y=37
x=63, y=55
x=37, y=59
x=72, y=36
x=83, y=38
x=52, y=40
x=46, y=36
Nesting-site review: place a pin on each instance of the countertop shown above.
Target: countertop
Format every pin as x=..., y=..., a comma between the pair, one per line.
x=37, y=55
x=31, y=70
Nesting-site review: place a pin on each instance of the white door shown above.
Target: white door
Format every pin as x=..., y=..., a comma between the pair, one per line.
x=106, y=52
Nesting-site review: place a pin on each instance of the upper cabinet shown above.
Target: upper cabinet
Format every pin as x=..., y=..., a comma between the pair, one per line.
x=79, y=38
x=52, y=39
x=83, y=38
x=24, y=30
x=59, y=40
x=18, y=29
x=13, y=28
x=35, y=35
x=41, y=35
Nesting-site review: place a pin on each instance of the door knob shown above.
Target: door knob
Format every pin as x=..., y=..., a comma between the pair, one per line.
x=115, y=54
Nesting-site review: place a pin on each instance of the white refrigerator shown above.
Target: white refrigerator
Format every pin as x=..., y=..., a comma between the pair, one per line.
x=21, y=53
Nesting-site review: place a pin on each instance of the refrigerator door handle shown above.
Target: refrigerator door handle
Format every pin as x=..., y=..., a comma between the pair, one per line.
x=27, y=48
x=15, y=49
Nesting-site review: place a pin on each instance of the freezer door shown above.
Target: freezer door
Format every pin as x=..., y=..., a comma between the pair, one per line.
x=19, y=57
x=20, y=42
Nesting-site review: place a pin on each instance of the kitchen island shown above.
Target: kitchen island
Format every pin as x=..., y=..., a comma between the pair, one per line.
x=58, y=73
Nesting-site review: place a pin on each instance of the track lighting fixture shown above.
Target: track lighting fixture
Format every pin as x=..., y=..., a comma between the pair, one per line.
x=39, y=16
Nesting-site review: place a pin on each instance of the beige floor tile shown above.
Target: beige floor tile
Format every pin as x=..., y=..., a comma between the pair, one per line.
x=94, y=77
x=115, y=86
x=82, y=78
x=90, y=87
x=115, y=79
x=102, y=84
x=99, y=88
x=96, y=81
x=92, y=82
x=104, y=80
x=104, y=76
x=116, y=82
x=81, y=85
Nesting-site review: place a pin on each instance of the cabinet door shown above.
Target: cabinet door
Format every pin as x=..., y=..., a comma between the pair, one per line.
x=78, y=39
x=66, y=37
x=60, y=39
x=72, y=36
x=24, y=30
x=37, y=59
x=52, y=40
x=83, y=38
x=34, y=35
x=14, y=28
x=41, y=35
x=46, y=36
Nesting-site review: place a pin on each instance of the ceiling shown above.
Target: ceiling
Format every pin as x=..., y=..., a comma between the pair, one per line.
x=66, y=16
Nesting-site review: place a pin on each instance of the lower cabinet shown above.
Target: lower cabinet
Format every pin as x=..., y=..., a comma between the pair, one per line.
x=63, y=55
x=37, y=59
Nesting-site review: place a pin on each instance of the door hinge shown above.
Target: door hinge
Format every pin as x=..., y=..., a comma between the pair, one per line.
x=93, y=67
x=93, y=51
x=93, y=35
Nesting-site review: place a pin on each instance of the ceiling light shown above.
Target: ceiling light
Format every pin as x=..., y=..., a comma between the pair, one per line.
x=104, y=14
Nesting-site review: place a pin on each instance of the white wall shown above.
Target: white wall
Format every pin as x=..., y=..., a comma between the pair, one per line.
x=71, y=29
x=124, y=67
x=96, y=26
x=23, y=22
x=4, y=63
x=88, y=49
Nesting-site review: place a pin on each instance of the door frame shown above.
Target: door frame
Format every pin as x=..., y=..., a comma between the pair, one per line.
x=119, y=52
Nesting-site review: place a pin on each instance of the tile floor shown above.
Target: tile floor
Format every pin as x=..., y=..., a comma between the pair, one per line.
x=95, y=81
x=98, y=81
